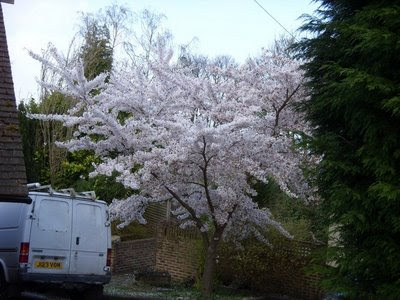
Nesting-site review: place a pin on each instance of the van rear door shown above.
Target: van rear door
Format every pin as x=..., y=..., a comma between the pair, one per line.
x=89, y=238
x=50, y=240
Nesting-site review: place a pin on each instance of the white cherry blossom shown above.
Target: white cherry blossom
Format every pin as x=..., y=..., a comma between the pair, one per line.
x=192, y=140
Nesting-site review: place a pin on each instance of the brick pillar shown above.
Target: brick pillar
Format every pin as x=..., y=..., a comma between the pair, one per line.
x=12, y=166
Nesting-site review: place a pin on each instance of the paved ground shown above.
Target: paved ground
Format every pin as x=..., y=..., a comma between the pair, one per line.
x=36, y=296
x=125, y=287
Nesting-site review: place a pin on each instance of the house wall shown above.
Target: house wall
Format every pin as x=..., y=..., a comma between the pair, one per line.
x=12, y=166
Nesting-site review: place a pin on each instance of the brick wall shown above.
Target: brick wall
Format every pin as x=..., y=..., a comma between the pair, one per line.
x=177, y=256
x=133, y=256
x=12, y=167
x=176, y=251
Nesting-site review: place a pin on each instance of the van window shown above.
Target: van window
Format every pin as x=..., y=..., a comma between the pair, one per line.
x=89, y=217
x=10, y=215
x=54, y=215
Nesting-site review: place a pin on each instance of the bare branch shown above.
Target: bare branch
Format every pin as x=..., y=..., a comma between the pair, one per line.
x=205, y=179
x=284, y=104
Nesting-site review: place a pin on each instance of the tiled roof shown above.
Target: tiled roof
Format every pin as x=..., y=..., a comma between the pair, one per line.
x=12, y=168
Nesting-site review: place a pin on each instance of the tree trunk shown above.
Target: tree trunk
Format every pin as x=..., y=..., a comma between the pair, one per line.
x=209, y=270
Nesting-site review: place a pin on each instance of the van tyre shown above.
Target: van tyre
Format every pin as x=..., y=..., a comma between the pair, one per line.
x=74, y=295
x=8, y=291
x=3, y=283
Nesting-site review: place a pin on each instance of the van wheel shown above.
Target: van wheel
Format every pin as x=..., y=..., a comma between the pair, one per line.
x=94, y=292
x=3, y=283
x=74, y=295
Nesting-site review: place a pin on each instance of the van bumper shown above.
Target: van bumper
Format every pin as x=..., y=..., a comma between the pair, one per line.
x=64, y=278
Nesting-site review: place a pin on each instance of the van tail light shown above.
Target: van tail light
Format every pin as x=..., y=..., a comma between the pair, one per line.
x=24, y=253
x=109, y=252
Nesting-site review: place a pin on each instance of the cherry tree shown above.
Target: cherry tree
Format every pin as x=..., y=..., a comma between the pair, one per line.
x=193, y=140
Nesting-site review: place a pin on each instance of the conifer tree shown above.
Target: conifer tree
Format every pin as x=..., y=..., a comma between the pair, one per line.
x=354, y=106
x=96, y=52
x=30, y=134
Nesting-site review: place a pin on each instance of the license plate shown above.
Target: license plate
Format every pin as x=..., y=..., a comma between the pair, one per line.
x=48, y=264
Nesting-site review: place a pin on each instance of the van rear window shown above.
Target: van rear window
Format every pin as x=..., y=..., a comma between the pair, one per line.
x=54, y=215
x=89, y=217
x=10, y=215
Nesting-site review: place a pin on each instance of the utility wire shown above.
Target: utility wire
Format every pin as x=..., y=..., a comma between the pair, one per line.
x=266, y=11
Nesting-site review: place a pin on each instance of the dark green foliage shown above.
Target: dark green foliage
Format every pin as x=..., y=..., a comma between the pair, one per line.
x=133, y=231
x=42, y=157
x=97, y=55
x=279, y=268
x=34, y=154
x=48, y=133
x=353, y=66
x=106, y=188
x=75, y=171
x=77, y=166
x=300, y=219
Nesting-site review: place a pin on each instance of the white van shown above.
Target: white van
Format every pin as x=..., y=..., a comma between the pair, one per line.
x=61, y=239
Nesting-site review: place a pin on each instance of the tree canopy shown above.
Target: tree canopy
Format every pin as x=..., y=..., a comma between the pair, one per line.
x=198, y=141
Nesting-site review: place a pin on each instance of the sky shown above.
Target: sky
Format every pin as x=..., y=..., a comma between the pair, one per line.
x=239, y=28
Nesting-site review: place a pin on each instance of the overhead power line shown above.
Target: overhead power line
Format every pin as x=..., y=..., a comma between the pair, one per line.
x=272, y=17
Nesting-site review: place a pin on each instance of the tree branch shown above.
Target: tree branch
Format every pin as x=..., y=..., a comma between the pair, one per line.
x=229, y=216
x=205, y=179
x=279, y=110
x=191, y=211
x=220, y=230
x=196, y=183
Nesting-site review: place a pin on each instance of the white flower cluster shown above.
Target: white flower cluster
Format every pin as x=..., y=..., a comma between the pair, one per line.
x=196, y=140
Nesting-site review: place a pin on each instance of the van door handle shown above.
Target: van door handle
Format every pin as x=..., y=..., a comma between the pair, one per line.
x=77, y=240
